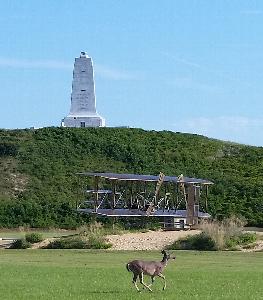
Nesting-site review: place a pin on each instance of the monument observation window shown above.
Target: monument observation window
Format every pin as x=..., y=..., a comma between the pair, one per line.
x=82, y=124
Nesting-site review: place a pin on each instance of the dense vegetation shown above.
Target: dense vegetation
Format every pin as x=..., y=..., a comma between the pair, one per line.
x=39, y=188
x=204, y=242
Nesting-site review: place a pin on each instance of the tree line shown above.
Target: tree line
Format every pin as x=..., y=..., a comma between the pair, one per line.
x=39, y=186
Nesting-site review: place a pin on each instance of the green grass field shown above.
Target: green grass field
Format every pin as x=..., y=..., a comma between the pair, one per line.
x=82, y=274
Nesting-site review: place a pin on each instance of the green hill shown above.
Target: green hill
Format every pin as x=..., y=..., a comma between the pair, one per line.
x=38, y=186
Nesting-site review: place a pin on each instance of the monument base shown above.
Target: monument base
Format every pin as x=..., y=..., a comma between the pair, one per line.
x=83, y=121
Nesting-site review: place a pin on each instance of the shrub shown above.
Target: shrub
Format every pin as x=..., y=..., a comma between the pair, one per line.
x=99, y=229
x=92, y=228
x=216, y=231
x=247, y=238
x=78, y=242
x=34, y=237
x=195, y=242
x=223, y=232
x=97, y=242
x=242, y=239
x=67, y=243
x=114, y=228
x=20, y=244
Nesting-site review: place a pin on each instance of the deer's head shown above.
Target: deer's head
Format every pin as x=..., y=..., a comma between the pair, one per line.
x=167, y=255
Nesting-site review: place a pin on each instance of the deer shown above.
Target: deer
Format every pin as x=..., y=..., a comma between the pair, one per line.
x=150, y=268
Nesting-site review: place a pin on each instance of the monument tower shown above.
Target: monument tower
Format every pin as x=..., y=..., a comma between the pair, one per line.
x=83, y=101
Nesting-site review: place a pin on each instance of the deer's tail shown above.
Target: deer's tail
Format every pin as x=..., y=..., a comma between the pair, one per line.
x=128, y=267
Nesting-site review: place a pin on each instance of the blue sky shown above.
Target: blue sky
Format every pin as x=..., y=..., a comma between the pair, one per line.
x=187, y=66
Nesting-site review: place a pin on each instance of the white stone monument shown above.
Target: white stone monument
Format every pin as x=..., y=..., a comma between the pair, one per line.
x=83, y=102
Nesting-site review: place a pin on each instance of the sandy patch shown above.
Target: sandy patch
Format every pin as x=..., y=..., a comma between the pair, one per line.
x=152, y=240
x=42, y=244
x=258, y=247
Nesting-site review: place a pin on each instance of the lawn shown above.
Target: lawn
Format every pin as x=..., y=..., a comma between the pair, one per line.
x=83, y=274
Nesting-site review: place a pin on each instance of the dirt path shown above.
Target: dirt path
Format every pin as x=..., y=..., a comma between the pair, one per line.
x=152, y=240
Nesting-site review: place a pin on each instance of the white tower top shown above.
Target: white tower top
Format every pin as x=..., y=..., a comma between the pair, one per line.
x=83, y=54
x=83, y=102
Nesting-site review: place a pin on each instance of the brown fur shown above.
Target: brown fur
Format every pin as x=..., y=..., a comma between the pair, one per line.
x=150, y=268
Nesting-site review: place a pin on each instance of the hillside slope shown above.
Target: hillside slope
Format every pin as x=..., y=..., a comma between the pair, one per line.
x=38, y=186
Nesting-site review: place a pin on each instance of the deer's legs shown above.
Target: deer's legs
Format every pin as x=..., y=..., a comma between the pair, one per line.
x=152, y=277
x=141, y=281
x=134, y=282
x=163, y=277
